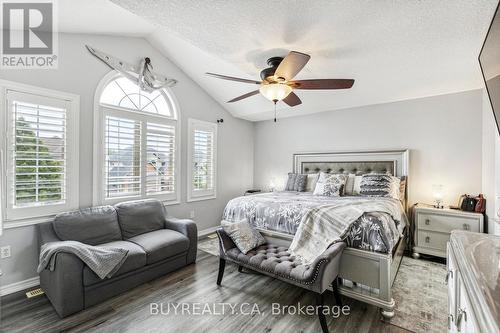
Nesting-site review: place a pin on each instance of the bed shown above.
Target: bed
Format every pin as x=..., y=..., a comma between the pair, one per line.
x=375, y=241
x=283, y=211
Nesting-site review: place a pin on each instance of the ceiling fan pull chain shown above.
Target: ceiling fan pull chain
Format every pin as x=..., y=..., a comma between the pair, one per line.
x=275, y=101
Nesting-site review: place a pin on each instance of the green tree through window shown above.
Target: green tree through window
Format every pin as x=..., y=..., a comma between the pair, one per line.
x=39, y=172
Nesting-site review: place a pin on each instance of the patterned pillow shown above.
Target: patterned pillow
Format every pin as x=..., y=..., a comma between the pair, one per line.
x=380, y=185
x=244, y=236
x=296, y=182
x=330, y=185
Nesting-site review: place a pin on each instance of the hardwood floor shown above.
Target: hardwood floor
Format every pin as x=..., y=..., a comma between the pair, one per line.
x=194, y=284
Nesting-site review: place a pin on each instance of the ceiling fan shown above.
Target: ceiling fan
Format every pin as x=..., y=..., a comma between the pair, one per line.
x=277, y=84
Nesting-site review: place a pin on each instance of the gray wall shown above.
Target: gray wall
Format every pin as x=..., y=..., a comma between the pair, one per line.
x=79, y=73
x=442, y=132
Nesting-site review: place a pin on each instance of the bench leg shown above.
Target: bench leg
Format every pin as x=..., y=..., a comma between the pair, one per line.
x=321, y=315
x=336, y=294
x=240, y=268
x=222, y=265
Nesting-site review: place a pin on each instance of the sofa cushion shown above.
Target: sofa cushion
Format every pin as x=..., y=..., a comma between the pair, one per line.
x=136, y=258
x=140, y=216
x=94, y=225
x=161, y=244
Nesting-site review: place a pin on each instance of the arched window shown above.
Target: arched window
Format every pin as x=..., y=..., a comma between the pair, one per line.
x=137, y=146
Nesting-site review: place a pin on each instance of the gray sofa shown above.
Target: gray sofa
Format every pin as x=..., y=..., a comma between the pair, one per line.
x=157, y=245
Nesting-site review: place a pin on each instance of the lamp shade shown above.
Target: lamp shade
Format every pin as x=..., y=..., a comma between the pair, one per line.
x=275, y=91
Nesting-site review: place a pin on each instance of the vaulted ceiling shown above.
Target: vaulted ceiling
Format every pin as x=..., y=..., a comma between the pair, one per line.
x=395, y=50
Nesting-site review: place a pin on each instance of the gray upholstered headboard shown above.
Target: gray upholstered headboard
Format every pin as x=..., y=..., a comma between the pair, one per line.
x=393, y=162
x=396, y=162
x=355, y=167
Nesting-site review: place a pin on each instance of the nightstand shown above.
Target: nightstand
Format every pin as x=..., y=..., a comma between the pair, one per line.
x=434, y=225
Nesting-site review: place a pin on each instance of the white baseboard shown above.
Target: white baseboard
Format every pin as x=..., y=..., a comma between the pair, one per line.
x=18, y=286
x=206, y=232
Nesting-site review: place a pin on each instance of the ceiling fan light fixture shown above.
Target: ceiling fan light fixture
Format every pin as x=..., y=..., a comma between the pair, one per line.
x=275, y=91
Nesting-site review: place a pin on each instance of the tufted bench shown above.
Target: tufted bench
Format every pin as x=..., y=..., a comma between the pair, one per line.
x=277, y=262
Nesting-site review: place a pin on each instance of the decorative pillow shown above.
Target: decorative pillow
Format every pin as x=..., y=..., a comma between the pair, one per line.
x=296, y=182
x=312, y=178
x=356, y=189
x=349, y=185
x=380, y=185
x=292, y=177
x=330, y=185
x=402, y=188
x=244, y=236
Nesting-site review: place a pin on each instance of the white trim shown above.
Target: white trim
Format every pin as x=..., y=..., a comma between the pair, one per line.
x=19, y=286
x=97, y=151
x=206, y=232
x=19, y=223
x=72, y=154
x=208, y=194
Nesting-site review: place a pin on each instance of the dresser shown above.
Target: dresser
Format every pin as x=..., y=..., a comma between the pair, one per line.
x=433, y=227
x=473, y=279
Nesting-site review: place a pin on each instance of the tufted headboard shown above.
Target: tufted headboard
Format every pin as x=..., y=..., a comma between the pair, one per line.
x=395, y=162
x=355, y=167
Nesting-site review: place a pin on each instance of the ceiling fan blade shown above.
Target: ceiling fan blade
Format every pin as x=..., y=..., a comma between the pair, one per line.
x=239, y=98
x=322, y=84
x=292, y=99
x=231, y=78
x=291, y=65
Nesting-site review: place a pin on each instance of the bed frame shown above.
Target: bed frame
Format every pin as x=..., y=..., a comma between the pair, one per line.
x=365, y=276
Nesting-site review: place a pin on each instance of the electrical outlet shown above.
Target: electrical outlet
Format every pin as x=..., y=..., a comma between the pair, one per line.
x=191, y=214
x=5, y=251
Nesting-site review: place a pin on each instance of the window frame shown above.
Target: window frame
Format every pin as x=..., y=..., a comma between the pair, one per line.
x=31, y=215
x=100, y=113
x=194, y=124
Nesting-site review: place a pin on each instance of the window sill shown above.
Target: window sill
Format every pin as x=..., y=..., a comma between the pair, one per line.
x=12, y=224
x=208, y=197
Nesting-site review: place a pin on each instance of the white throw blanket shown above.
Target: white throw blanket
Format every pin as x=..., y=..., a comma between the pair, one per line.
x=322, y=226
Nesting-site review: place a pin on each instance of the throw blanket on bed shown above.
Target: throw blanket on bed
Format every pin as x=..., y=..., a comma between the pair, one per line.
x=104, y=261
x=324, y=225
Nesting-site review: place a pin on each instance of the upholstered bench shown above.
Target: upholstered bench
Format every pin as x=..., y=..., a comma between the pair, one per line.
x=277, y=262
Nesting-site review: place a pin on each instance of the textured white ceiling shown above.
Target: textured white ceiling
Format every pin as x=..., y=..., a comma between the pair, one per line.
x=100, y=17
x=395, y=50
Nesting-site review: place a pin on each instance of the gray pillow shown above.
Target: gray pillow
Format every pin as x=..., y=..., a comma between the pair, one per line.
x=296, y=182
x=244, y=236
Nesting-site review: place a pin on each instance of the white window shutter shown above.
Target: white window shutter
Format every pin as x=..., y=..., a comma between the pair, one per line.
x=41, y=156
x=122, y=162
x=202, y=160
x=160, y=159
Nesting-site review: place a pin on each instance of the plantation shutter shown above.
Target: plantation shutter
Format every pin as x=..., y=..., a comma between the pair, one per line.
x=122, y=162
x=160, y=160
x=37, y=150
x=202, y=159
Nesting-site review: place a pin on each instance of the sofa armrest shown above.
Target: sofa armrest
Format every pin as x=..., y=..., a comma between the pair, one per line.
x=64, y=285
x=225, y=242
x=188, y=228
x=46, y=233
